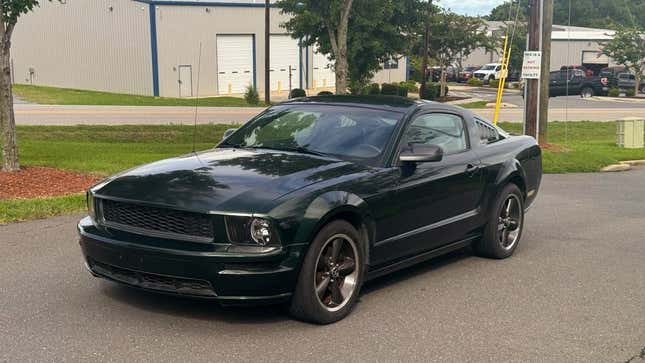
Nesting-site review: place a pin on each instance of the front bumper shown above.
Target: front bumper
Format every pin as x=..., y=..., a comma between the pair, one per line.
x=230, y=277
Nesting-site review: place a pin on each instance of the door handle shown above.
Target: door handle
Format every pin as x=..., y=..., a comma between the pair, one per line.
x=471, y=169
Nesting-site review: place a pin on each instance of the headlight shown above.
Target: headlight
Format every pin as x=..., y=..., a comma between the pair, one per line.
x=91, y=205
x=260, y=231
x=250, y=230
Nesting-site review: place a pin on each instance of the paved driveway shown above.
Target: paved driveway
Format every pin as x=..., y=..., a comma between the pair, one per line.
x=574, y=292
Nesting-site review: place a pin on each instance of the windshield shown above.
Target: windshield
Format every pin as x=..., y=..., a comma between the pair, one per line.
x=488, y=67
x=351, y=133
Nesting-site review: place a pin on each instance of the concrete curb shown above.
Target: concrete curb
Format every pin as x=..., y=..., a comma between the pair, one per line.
x=622, y=166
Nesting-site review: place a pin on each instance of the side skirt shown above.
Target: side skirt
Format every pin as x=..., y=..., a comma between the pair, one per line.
x=420, y=258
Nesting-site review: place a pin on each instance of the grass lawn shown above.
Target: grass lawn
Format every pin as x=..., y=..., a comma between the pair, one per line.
x=66, y=96
x=474, y=104
x=104, y=150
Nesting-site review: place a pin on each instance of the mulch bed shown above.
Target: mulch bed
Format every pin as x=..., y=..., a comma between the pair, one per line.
x=37, y=182
x=450, y=98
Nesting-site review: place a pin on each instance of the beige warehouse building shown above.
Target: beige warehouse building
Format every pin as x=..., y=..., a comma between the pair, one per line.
x=151, y=47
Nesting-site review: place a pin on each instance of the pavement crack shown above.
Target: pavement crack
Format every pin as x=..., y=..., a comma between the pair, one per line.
x=641, y=356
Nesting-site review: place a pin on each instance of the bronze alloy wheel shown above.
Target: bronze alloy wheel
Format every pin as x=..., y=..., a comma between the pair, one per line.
x=337, y=271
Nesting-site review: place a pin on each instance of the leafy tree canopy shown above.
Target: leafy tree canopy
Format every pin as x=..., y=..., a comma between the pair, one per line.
x=377, y=30
x=604, y=14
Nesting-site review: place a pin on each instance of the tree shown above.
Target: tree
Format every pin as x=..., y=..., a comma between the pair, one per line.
x=11, y=11
x=374, y=33
x=454, y=37
x=628, y=48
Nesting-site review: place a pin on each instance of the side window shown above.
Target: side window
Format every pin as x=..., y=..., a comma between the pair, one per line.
x=487, y=133
x=554, y=76
x=441, y=129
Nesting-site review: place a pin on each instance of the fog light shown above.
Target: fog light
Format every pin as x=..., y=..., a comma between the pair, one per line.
x=260, y=231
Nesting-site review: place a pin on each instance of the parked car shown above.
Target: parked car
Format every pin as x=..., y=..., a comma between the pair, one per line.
x=586, y=71
x=451, y=73
x=574, y=82
x=310, y=199
x=467, y=73
x=611, y=73
x=488, y=72
x=628, y=81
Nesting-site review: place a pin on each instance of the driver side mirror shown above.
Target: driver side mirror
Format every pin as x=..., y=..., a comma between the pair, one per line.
x=418, y=153
x=228, y=133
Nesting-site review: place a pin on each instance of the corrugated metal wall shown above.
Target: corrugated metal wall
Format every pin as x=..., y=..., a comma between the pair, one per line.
x=180, y=29
x=86, y=44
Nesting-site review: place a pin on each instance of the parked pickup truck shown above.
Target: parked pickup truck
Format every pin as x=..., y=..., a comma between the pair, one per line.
x=574, y=82
x=628, y=81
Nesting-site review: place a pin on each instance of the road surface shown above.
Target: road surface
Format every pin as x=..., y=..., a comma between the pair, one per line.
x=573, y=292
x=30, y=114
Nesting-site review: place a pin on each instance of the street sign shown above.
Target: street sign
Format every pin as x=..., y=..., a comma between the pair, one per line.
x=531, y=65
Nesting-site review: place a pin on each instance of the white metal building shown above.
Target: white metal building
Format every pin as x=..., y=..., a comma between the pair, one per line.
x=151, y=47
x=570, y=45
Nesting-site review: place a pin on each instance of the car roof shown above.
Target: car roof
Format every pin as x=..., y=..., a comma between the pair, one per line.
x=390, y=103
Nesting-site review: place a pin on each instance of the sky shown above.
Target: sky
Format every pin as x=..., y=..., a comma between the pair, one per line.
x=470, y=7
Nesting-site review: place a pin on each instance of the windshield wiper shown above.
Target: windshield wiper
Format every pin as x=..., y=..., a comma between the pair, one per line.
x=299, y=149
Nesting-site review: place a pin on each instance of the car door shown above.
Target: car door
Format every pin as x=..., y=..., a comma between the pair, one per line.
x=556, y=86
x=434, y=203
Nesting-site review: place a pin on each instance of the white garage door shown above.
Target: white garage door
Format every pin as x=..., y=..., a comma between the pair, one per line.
x=324, y=76
x=284, y=53
x=234, y=63
x=593, y=57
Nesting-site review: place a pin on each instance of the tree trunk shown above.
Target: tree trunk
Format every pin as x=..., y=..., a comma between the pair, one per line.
x=341, y=71
x=426, y=46
x=7, y=120
x=442, y=80
x=637, y=86
x=342, y=66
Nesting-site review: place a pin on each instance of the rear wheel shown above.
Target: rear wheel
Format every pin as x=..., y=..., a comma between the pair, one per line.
x=504, y=228
x=586, y=92
x=331, y=275
x=643, y=88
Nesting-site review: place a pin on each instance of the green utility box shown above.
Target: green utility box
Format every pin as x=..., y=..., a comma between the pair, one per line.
x=630, y=133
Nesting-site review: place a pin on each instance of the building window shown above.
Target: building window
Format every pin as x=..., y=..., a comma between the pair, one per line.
x=391, y=63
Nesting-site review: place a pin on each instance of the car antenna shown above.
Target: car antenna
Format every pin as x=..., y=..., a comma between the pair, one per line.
x=199, y=68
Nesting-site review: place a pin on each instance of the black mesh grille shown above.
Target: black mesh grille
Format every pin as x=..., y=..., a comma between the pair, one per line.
x=153, y=281
x=157, y=219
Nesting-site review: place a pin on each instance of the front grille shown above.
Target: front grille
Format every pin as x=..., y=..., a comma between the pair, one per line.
x=157, y=222
x=479, y=75
x=176, y=285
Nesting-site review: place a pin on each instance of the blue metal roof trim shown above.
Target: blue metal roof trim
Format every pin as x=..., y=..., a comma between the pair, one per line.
x=202, y=3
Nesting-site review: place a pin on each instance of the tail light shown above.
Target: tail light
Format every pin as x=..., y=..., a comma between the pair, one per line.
x=604, y=81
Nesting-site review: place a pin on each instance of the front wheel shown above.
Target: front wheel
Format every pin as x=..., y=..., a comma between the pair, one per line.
x=586, y=92
x=643, y=88
x=331, y=275
x=504, y=228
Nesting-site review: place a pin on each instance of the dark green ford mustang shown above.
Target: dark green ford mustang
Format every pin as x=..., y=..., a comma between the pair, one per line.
x=312, y=198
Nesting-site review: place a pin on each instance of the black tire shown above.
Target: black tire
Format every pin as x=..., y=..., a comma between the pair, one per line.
x=586, y=92
x=643, y=89
x=306, y=304
x=490, y=244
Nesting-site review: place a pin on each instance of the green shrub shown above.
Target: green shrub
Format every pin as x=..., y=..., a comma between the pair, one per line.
x=389, y=89
x=431, y=91
x=630, y=92
x=613, y=92
x=493, y=83
x=374, y=89
x=475, y=82
x=297, y=92
x=411, y=86
x=403, y=90
x=325, y=93
x=251, y=95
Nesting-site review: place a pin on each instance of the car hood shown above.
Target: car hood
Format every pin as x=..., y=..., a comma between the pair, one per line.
x=233, y=180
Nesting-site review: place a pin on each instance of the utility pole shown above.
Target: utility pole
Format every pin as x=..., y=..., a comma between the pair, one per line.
x=531, y=101
x=267, y=53
x=426, y=45
x=547, y=25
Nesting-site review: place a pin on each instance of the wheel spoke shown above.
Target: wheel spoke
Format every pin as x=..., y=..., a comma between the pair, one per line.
x=513, y=225
x=347, y=267
x=335, y=249
x=336, y=294
x=508, y=206
x=500, y=227
x=322, y=287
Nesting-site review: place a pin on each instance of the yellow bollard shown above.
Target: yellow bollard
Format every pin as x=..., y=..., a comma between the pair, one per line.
x=324, y=83
x=230, y=89
x=279, y=86
x=315, y=87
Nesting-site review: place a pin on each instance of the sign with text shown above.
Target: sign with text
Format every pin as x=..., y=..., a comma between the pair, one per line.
x=531, y=65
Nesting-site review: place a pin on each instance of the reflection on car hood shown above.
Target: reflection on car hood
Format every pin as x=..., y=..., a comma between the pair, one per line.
x=223, y=179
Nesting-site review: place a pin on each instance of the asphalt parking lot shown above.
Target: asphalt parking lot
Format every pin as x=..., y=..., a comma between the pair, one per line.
x=573, y=292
